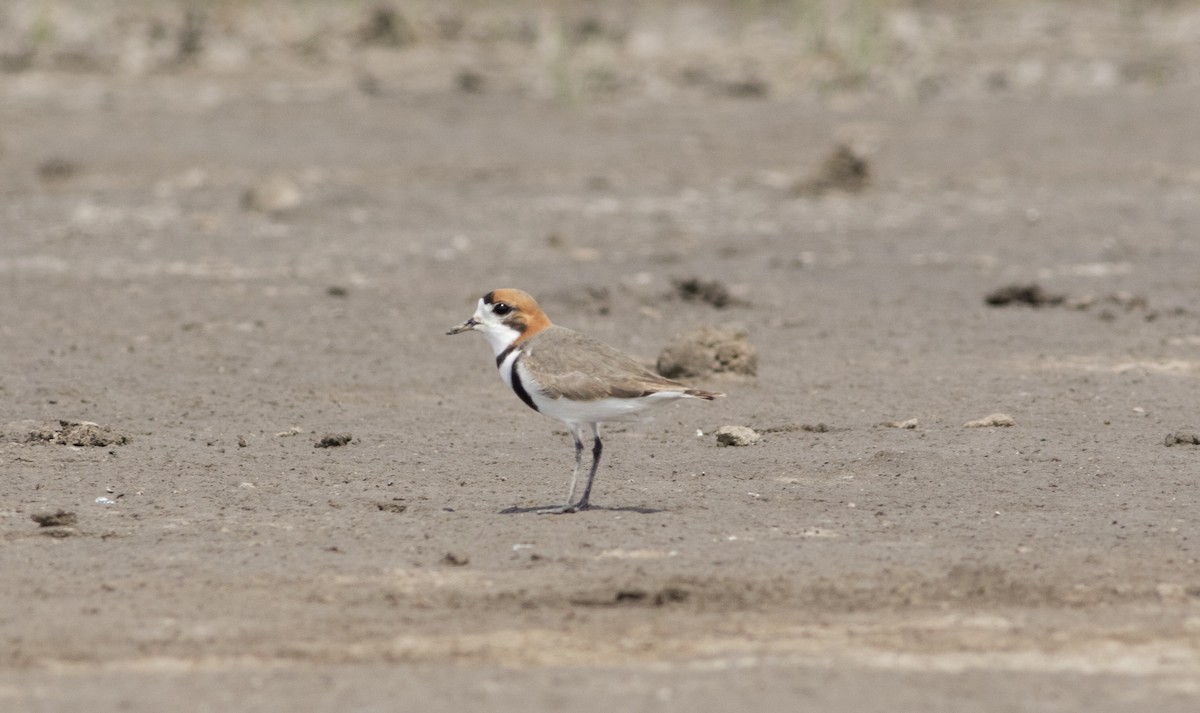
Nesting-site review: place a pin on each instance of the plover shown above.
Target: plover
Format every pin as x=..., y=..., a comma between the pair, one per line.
x=568, y=376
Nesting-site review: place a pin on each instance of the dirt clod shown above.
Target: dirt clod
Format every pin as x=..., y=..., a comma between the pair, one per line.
x=842, y=170
x=77, y=433
x=455, y=559
x=469, y=81
x=671, y=595
x=386, y=26
x=384, y=506
x=712, y=292
x=991, y=420
x=191, y=35
x=637, y=596
x=1182, y=438
x=737, y=436
x=57, y=169
x=333, y=440
x=274, y=195
x=58, y=518
x=708, y=350
x=1031, y=294
x=793, y=427
x=748, y=88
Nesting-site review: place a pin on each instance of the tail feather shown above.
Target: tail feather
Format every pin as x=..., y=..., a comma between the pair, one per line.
x=706, y=395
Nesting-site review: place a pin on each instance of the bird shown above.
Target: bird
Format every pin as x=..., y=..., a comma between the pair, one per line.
x=569, y=376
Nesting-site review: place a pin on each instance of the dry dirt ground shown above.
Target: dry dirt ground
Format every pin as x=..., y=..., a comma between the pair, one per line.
x=224, y=264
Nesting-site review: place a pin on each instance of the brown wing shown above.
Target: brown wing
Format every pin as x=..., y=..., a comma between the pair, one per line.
x=567, y=362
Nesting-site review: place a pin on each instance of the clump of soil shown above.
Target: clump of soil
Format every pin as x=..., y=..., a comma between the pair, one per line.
x=842, y=170
x=191, y=35
x=1182, y=438
x=667, y=595
x=708, y=350
x=469, y=81
x=57, y=169
x=333, y=440
x=712, y=292
x=385, y=26
x=77, y=433
x=750, y=87
x=1125, y=300
x=793, y=427
x=737, y=436
x=995, y=420
x=455, y=559
x=59, y=518
x=1031, y=294
x=275, y=195
x=1109, y=304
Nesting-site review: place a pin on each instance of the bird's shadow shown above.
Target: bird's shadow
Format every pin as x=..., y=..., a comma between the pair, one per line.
x=556, y=510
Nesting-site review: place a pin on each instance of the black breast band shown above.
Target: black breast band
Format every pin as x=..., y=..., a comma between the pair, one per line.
x=520, y=387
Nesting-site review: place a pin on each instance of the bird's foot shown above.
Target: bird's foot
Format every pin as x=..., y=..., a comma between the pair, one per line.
x=556, y=510
x=565, y=509
x=548, y=509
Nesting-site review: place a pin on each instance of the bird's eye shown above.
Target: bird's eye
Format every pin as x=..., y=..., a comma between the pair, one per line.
x=501, y=309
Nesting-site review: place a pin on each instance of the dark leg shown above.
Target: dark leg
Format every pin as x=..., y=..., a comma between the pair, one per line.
x=597, y=447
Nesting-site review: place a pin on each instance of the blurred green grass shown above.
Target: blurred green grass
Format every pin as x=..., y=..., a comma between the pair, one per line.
x=576, y=49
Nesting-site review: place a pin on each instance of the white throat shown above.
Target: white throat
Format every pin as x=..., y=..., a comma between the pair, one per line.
x=499, y=334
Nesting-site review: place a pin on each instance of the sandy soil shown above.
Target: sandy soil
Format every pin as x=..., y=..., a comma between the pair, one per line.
x=222, y=267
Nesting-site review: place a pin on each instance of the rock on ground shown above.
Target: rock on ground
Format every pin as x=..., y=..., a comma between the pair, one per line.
x=736, y=436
